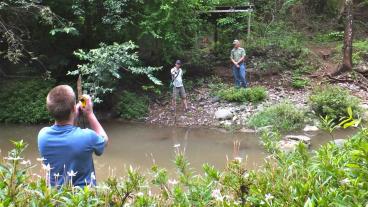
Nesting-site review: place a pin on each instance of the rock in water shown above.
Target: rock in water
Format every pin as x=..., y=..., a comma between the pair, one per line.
x=223, y=114
x=227, y=123
x=306, y=140
x=339, y=142
x=288, y=146
x=245, y=130
x=309, y=128
x=364, y=107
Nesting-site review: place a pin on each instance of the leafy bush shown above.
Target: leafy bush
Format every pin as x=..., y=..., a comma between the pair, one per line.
x=24, y=101
x=332, y=176
x=256, y=94
x=283, y=116
x=333, y=101
x=360, y=51
x=216, y=87
x=132, y=106
x=299, y=82
x=103, y=65
x=331, y=37
x=233, y=94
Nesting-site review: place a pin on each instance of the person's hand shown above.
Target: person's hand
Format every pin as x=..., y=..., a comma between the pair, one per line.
x=87, y=108
x=237, y=65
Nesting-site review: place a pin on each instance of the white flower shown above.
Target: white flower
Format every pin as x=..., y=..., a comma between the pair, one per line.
x=41, y=159
x=56, y=175
x=24, y=162
x=140, y=194
x=72, y=173
x=268, y=196
x=176, y=145
x=262, y=202
x=13, y=158
x=93, y=176
x=46, y=167
x=239, y=159
x=345, y=181
x=173, y=182
x=217, y=195
x=246, y=175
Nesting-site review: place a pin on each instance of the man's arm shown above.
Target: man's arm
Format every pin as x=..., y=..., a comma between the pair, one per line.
x=242, y=57
x=92, y=120
x=232, y=58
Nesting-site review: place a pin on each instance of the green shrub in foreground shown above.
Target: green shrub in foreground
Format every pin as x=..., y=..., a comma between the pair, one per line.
x=283, y=116
x=333, y=101
x=254, y=94
x=331, y=176
x=132, y=106
x=24, y=101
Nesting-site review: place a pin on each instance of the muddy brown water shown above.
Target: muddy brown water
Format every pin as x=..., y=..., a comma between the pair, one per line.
x=140, y=145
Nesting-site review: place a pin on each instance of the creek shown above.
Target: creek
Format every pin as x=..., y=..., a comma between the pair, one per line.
x=140, y=145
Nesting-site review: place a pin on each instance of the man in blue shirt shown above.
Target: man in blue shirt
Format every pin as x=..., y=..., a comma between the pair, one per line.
x=67, y=148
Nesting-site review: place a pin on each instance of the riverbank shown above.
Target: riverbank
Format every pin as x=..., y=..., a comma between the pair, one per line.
x=203, y=105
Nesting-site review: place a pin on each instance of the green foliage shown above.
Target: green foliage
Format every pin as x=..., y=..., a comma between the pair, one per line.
x=299, y=82
x=15, y=18
x=254, y=94
x=217, y=86
x=331, y=176
x=174, y=24
x=269, y=140
x=283, y=116
x=233, y=94
x=331, y=37
x=104, y=66
x=360, y=51
x=132, y=106
x=333, y=101
x=24, y=101
x=277, y=47
x=329, y=125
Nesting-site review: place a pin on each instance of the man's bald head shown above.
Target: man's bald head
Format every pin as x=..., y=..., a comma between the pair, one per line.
x=61, y=102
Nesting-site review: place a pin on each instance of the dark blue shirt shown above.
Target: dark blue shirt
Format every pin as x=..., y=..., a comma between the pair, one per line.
x=70, y=148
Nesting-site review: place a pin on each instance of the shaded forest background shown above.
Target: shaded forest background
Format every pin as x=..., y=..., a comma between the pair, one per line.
x=131, y=44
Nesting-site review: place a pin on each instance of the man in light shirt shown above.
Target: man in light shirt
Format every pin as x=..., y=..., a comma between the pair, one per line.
x=237, y=57
x=178, y=87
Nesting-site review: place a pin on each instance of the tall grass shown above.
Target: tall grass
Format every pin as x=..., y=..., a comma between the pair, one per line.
x=331, y=176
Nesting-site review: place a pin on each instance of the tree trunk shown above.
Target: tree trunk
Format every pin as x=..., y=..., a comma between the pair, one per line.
x=347, y=62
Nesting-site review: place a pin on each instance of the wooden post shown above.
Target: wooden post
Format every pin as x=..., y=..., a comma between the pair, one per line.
x=249, y=18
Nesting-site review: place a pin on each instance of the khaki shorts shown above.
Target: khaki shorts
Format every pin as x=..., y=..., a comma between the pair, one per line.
x=180, y=91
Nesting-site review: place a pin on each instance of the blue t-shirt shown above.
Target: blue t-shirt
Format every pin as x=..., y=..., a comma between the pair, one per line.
x=70, y=148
